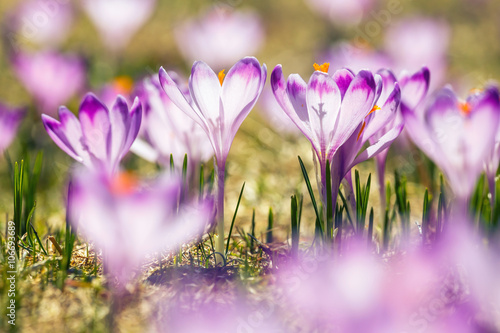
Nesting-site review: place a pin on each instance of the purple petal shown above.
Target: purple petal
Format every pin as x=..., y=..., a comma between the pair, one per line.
x=240, y=90
x=388, y=82
x=382, y=144
x=343, y=78
x=67, y=134
x=205, y=90
x=279, y=87
x=378, y=119
x=120, y=124
x=420, y=135
x=135, y=125
x=323, y=104
x=415, y=88
x=177, y=97
x=96, y=126
x=356, y=105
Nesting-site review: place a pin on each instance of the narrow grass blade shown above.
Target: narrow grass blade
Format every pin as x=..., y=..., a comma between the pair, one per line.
x=311, y=194
x=270, y=226
x=234, y=218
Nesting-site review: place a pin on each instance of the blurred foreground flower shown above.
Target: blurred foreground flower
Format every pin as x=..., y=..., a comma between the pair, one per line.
x=342, y=12
x=458, y=136
x=168, y=130
x=220, y=38
x=128, y=219
x=9, y=122
x=449, y=288
x=118, y=20
x=43, y=22
x=51, y=78
x=101, y=137
x=219, y=105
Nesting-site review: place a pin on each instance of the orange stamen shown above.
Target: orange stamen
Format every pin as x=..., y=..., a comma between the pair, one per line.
x=375, y=108
x=322, y=68
x=123, y=183
x=123, y=84
x=221, y=76
x=465, y=108
x=361, y=131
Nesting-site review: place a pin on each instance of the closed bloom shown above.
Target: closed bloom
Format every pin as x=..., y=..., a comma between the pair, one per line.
x=128, y=219
x=10, y=119
x=118, y=20
x=50, y=77
x=457, y=135
x=219, y=105
x=220, y=38
x=100, y=138
x=168, y=130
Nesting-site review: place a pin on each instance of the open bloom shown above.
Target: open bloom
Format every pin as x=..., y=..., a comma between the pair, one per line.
x=219, y=105
x=43, y=22
x=9, y=122
x=51, y=78
x=220, y=37
x=128, y=219
x=458, y=136
x=169, y=131
x=118, y=20
x=100, y=138
x=331, y=110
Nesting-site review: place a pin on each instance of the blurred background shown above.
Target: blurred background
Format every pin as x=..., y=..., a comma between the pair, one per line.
x=54, y=51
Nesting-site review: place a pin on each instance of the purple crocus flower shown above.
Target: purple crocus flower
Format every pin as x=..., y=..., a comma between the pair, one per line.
x=9, y=122
x=100, y=138
x=118, y=20
x=219, y=105
x=220, y=37
x=413, y=92
x=128, y=219
x=168, y=130
x=330, y=111
x=50, y=77
x=457, y=136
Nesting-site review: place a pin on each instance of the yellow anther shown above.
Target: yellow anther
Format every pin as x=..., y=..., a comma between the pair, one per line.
x=361, y=131
x=221, y=76
x=375, y=108
x=322, y=68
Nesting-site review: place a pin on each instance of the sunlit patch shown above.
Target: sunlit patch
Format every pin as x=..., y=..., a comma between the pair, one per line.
x=123, y=84
x=375, y=108
x=124, y=183
x=221, y=76
x=465, y=107
x=322, y=68
x=476, y=91
x=361, y=131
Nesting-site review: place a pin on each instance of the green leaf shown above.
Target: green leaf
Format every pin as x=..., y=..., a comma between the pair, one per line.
x=234, y=218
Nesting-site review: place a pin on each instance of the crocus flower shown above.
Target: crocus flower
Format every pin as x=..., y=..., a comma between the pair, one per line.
x=342, y=12
x=219, y=105
x=330, y=110
x=118, y=20
x=128, y=219
x=413, y=92
x=491, y=167
x=43, y=22
x=51, y=78
x=418, y=41
x=100, y=138
x=9, y=122
x=220, y=37
x=168, y=130
x=458, y=136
